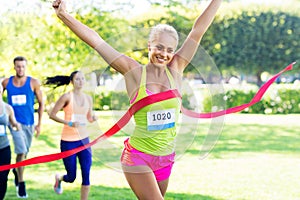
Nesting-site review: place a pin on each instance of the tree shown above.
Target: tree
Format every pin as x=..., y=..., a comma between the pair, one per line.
x=240, y=40
x=253, y=42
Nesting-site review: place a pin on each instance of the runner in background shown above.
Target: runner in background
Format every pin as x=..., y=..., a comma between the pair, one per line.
x=77, y=107
x=21, y=93
x=7, y=116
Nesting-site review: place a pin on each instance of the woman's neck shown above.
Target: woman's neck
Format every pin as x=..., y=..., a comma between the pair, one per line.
x=157, y=70
x=77, y=91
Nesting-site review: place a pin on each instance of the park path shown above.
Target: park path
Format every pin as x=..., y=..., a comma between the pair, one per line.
x=288, y=119
x=238, y=118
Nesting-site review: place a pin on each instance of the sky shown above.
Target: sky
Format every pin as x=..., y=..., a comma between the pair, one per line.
x=262, y=1
x=140, y=5
x=23, y=6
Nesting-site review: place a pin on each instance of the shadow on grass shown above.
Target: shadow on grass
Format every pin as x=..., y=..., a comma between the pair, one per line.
x=51, y=136
x=96, y=193
x=233, y=139
x=46, y=167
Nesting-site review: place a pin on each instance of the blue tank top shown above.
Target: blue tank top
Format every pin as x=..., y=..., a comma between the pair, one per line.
x=22, y=101
x=4, y=142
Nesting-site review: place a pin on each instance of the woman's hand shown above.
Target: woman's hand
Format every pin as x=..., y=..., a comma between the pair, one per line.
x=95, y=118
x=59, y=7
x=17, y=126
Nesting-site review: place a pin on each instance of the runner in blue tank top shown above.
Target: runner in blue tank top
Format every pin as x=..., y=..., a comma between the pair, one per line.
x=21, y=93
x=22, y=100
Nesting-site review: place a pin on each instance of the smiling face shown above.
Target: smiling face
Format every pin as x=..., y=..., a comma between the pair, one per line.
x=162, y=48
x=163, y=40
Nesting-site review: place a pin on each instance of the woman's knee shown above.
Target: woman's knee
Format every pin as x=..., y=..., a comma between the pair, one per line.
x=69, y=178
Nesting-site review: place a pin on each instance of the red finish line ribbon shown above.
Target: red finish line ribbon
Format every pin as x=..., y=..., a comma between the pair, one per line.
x=133, y=109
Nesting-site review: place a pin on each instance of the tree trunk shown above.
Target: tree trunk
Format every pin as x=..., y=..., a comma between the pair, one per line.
x=259, y=81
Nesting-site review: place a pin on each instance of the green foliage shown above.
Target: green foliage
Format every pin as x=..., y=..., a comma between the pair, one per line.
x=111, y=101
x=241, y=40
x=247, y=40
x=251, y=41
x=120, y=101
x=186, y=102
x=50, y=46
x=239, y=97
x=288, y=100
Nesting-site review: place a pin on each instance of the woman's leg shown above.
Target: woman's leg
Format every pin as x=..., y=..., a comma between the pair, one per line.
x=85, y=161
x=162, y=176
x=143, y=183
x=70, y=162
x=85, y=189
x=5, y=155
x=71, y=167
x=163, y=186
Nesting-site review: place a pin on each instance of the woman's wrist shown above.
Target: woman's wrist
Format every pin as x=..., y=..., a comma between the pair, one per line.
x=62, y=14
x=70, y=123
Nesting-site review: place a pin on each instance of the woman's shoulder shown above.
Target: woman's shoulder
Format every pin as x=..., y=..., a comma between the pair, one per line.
x=135, y=72
x=67, y=94
x=65, y=97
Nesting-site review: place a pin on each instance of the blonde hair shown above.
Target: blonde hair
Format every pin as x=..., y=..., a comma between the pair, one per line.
x=163, y=28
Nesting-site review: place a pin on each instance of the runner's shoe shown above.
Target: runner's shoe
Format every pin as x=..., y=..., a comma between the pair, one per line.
x=57, y=186
x=21, y=193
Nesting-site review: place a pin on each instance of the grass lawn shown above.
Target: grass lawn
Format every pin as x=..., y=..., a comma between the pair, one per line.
x=240, y=157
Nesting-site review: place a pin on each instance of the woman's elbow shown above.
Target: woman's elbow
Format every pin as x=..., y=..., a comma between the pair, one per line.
x=52, y=116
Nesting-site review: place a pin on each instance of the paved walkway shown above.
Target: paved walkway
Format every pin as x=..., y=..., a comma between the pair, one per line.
x=289, y=119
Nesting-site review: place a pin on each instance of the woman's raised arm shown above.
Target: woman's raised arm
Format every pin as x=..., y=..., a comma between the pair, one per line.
x=118, y=61
x=185, y=54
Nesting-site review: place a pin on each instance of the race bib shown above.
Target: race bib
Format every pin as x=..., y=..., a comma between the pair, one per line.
x=18, y=100
x=160, y=119
x=2, y=130
x=79, y=118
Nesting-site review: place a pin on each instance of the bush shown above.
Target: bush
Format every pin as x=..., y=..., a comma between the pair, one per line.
x=120, y=101
x=280, y=99
x=111, y=101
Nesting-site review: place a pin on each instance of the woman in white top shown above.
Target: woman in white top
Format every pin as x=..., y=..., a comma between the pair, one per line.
x=77, y=107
